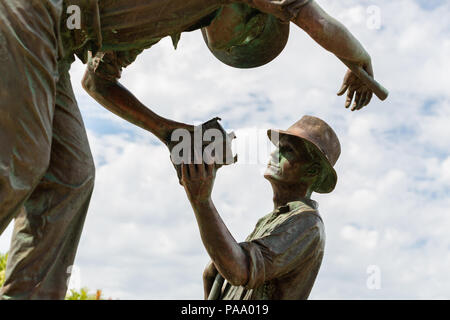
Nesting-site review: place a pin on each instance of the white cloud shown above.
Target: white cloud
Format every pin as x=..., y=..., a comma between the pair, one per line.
x=365, y=238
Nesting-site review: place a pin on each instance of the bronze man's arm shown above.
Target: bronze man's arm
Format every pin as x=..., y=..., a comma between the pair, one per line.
x=228, y=256
x=117, y=99
x=334, y=37
x=331, y=34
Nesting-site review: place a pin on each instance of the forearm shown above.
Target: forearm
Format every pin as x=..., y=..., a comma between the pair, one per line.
x=331, y=34
x=227, y=255
x=117, y=99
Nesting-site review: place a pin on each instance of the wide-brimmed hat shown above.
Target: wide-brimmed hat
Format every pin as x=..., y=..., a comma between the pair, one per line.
x=322, y=138
x=264, y=40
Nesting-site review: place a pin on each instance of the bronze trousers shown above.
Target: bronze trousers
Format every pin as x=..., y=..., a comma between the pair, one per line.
x=46, y=167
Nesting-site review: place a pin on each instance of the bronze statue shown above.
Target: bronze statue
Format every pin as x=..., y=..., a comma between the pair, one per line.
x=242, y=34
x=281, y=258
x=46, y=167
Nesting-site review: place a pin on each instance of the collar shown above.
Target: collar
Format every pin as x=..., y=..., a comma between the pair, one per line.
x=291, y=206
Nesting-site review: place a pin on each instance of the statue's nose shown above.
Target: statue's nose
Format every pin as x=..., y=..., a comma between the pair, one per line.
x=275, y=157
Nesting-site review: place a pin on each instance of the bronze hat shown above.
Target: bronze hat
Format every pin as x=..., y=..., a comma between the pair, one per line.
x=318, y=134
x=257, y=40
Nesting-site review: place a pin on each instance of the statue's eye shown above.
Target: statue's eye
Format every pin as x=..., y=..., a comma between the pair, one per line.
x=313, y=170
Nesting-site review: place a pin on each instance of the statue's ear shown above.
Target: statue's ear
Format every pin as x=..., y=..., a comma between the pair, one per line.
x=314, y=170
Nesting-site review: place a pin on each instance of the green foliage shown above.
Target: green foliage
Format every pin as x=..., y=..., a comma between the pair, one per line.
x=84, y=295
x=3, y=258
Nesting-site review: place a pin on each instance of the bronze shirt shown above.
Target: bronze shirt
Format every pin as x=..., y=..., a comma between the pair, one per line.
x=285, y=252
x=122, y=29
x=125, y=25
x=135, y=24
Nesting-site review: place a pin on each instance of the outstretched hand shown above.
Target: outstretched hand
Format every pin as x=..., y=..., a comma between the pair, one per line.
x=357, y=91
x=198, y=181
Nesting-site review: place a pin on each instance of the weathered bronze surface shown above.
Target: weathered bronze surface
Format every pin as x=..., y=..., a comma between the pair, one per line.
x=243, y=37
x=280, y=259
x=46, y=167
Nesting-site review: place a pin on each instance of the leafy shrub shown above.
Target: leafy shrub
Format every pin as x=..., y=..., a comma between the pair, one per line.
x=3, y=258
x=84, y=295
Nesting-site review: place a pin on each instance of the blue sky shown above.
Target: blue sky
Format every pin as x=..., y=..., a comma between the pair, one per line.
x=391, y=205
x=430, y=4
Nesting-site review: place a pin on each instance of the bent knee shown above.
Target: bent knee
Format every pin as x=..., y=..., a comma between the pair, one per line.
x=75, y=174
x=86, y=175
x=90, y=175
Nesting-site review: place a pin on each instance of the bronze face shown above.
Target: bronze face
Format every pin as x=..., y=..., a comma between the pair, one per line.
x=291, y=163
x=321, y=140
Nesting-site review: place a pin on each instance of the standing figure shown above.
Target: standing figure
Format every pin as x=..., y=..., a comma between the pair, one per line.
x=46, y=167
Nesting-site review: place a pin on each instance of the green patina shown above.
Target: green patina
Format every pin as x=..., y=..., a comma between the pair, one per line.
x=257, y=37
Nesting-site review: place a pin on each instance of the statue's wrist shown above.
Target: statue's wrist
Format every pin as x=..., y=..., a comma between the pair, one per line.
x=203, y=202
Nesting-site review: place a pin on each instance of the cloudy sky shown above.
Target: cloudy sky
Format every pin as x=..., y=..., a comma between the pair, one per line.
x=389, y=215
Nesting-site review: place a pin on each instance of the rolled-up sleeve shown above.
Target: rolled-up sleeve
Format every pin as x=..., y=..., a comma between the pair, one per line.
x=109, y=65
x=291, y=244
x=286, y=10
x=294, y=8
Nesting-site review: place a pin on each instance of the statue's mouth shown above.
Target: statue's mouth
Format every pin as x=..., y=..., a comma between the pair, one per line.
x=271, y=165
